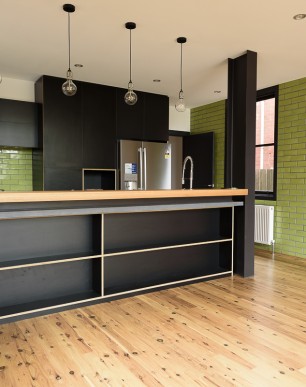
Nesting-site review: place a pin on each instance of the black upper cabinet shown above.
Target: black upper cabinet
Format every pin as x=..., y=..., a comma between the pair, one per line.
x=82, y=131
x=147, y=120
x=99, y=134
x=62, y=125
x=76, y=132
x=18, y=123
x=156, y=125
x=129, y=119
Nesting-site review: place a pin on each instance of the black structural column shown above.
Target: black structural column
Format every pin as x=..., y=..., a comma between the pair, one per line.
x=240, y=153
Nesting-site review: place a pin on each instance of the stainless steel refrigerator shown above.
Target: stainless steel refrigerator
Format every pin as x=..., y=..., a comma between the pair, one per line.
x=145, y=165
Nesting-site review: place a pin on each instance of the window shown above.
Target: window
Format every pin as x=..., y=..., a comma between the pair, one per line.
x=266, y=143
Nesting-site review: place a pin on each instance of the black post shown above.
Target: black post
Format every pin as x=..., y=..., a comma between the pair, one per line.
x=240, y=153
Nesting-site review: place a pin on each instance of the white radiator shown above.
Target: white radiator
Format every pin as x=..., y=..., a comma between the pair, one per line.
x=264, y=224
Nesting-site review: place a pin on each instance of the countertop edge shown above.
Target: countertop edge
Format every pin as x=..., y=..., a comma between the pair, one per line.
x=56, y=196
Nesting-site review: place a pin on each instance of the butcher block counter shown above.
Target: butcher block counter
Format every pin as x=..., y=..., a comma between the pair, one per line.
x=65, y=249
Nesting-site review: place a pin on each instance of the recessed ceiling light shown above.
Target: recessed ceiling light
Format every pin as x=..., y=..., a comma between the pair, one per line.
x=78, y=65
x=299, y=16
x=156, y=80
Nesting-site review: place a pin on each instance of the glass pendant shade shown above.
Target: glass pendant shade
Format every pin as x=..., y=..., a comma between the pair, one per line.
x=69, y=88
x=180, y=104
x=130, y=96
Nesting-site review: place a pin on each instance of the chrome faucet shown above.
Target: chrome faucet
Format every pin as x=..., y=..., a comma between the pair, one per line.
x=191, y=170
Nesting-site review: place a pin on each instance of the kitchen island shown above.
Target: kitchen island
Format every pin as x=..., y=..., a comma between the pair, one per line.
x=63, y=249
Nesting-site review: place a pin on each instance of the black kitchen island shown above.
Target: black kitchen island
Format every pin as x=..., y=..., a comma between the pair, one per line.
x=64, y=249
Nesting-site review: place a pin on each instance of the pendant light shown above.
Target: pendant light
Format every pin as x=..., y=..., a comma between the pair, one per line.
x=130, y=96
x=69, y=87
x=180, y=105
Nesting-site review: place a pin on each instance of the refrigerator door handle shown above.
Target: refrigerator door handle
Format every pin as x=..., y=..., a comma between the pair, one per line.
x=145, y=167
x=140, y=168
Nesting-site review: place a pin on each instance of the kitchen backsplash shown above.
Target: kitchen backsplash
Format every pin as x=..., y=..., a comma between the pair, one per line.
x=16, y=169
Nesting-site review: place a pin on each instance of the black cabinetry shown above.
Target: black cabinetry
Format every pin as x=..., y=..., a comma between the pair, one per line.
x=99, y=117
x=76, y=132
x=62, y=125
x=82, y=131
x=18, y=123
x=53, y=258
x=129, y=119
x=201, y=148
x=58, y=162
x=147, y=120
x=156, y=124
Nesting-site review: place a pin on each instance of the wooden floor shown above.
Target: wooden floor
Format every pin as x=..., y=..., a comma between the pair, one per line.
x=226, y=332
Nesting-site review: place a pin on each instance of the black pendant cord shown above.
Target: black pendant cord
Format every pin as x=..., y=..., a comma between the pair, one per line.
x=130, y=56
x=181, y=67
x=69, y=41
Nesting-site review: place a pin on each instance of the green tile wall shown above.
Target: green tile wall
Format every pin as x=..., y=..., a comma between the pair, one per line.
x=290, y=207
x=16, y=169
x=211, y=118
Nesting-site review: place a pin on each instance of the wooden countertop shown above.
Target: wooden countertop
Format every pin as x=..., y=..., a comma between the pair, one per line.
x=55, y=196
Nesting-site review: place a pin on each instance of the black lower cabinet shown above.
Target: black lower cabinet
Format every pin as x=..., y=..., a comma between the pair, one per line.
x=57, y=258
x=150, y=249
x=33, y=288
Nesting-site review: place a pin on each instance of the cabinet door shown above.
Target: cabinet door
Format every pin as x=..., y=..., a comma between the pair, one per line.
x=156, y=127
x=62, y=125
x=201, y=148
x=62, y=179
x=130, y=119
x=99, y=131
x=18, y=123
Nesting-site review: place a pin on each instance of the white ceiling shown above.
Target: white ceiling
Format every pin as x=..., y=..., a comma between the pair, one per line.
x=33, y=41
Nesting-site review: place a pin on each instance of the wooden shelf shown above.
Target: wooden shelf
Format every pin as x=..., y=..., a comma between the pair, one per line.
x=36, y=306
x=140, y=249
x=36, y=261
x=142, y=286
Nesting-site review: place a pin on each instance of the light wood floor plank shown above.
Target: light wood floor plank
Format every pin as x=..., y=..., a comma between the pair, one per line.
x=229, y=332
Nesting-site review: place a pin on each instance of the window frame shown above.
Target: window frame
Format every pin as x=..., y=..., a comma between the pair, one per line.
x=263, y=94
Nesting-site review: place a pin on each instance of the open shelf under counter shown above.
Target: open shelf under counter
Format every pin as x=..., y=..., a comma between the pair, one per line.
x=60, y=249
x=151, y=269
x=48, y=260
x=48, y=304
x=41, y=287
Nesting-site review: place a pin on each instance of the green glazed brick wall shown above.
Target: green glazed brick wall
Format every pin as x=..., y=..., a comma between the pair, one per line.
x=290, y=207
x=211, y=118
x=16, y=169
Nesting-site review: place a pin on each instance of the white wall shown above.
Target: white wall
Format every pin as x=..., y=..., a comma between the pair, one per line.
x=17, y=89
x=179, y=120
